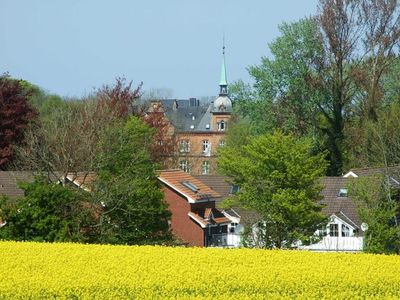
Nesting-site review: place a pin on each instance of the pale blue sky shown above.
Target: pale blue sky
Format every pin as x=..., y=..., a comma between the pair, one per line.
x=71, y=46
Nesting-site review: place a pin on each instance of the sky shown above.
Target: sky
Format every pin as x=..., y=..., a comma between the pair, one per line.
x=71, y=47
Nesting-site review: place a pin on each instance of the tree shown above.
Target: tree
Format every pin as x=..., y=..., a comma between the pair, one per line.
x=15, y=115
x=163, y=144
x=134, y=210
x=327, y=71
x=378, y=206
x=48, y=212
x=277, y=176
x=380, y=140
x=65, y=139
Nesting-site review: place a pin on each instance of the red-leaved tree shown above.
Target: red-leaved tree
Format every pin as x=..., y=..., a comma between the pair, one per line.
x=15, y=115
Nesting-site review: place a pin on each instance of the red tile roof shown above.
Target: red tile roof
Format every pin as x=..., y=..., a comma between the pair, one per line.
x=175, y=179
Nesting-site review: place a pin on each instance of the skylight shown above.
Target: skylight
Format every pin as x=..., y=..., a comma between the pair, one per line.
x=190, y=186
x=343, y=192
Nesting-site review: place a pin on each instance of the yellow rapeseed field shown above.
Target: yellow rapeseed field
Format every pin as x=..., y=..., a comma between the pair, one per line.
x=74, y=271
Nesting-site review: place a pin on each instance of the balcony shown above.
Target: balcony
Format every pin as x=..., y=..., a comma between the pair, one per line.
x=224, y=240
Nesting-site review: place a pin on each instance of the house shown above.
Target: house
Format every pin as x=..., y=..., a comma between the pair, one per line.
x=198, y=129
x=195, y=218
x=344, y=231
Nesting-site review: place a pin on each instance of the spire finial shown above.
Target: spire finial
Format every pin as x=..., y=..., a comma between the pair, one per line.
x=223, y=44
x=223, y=83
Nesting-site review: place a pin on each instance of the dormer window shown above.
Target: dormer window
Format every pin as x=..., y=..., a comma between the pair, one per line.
x=221, y=126
x=343, y=192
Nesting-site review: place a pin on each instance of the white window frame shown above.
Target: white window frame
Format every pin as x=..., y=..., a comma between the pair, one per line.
x=184, y=146
x=334, y=231
x=346, y=230
x=206, y=146
x=205, y=167
x=221, y=125
x=184, y=165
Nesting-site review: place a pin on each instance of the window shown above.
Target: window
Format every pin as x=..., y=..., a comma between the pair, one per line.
x=190, y=186
x=222, y=143
x=221, y=126
x=235, y=189
x=205, y=168
x=323, y=231
x=333, y=230
x=206, y=146
x=184, y=146
x=343, y=192
x=184, y=166
x=232, y=227
x=345, y=230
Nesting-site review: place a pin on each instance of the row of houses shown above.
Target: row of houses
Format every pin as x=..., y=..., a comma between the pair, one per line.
x=198, y=219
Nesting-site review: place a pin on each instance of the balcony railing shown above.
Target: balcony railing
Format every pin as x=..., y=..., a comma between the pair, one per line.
x=224, y=240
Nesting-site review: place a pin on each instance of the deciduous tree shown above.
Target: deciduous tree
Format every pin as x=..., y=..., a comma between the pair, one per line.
x=278, y=177
x=15, y=115
x=134, y=210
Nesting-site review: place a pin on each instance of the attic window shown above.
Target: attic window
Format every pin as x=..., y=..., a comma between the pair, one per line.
x=343, y=192
x=190, y=186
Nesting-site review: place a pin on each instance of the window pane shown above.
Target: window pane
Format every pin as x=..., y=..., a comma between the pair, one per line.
x=206, y=167
x=333, y=230
x=345, y=230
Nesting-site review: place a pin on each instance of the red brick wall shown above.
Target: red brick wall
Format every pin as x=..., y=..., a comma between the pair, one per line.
x=183, y=227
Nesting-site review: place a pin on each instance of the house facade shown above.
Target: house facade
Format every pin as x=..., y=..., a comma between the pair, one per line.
x=195, y=220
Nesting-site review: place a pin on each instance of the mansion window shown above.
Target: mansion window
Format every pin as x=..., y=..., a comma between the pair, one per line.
x=184, y=146
x=205, y=168
x=221, y=126
x=206, y=146
x=345, y=230
x=184, y=166
x=334, y=230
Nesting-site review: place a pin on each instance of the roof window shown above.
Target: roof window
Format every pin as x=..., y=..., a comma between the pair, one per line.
x=190, y=186
x=343, y=192
x=234, y=189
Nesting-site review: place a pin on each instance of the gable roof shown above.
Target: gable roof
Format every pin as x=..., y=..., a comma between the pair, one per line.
x=343, y=207
x=178, y=181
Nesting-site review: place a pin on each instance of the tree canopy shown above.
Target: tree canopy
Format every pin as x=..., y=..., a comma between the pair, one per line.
x=277, y=175
x=134, y=210
x=15, y=115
